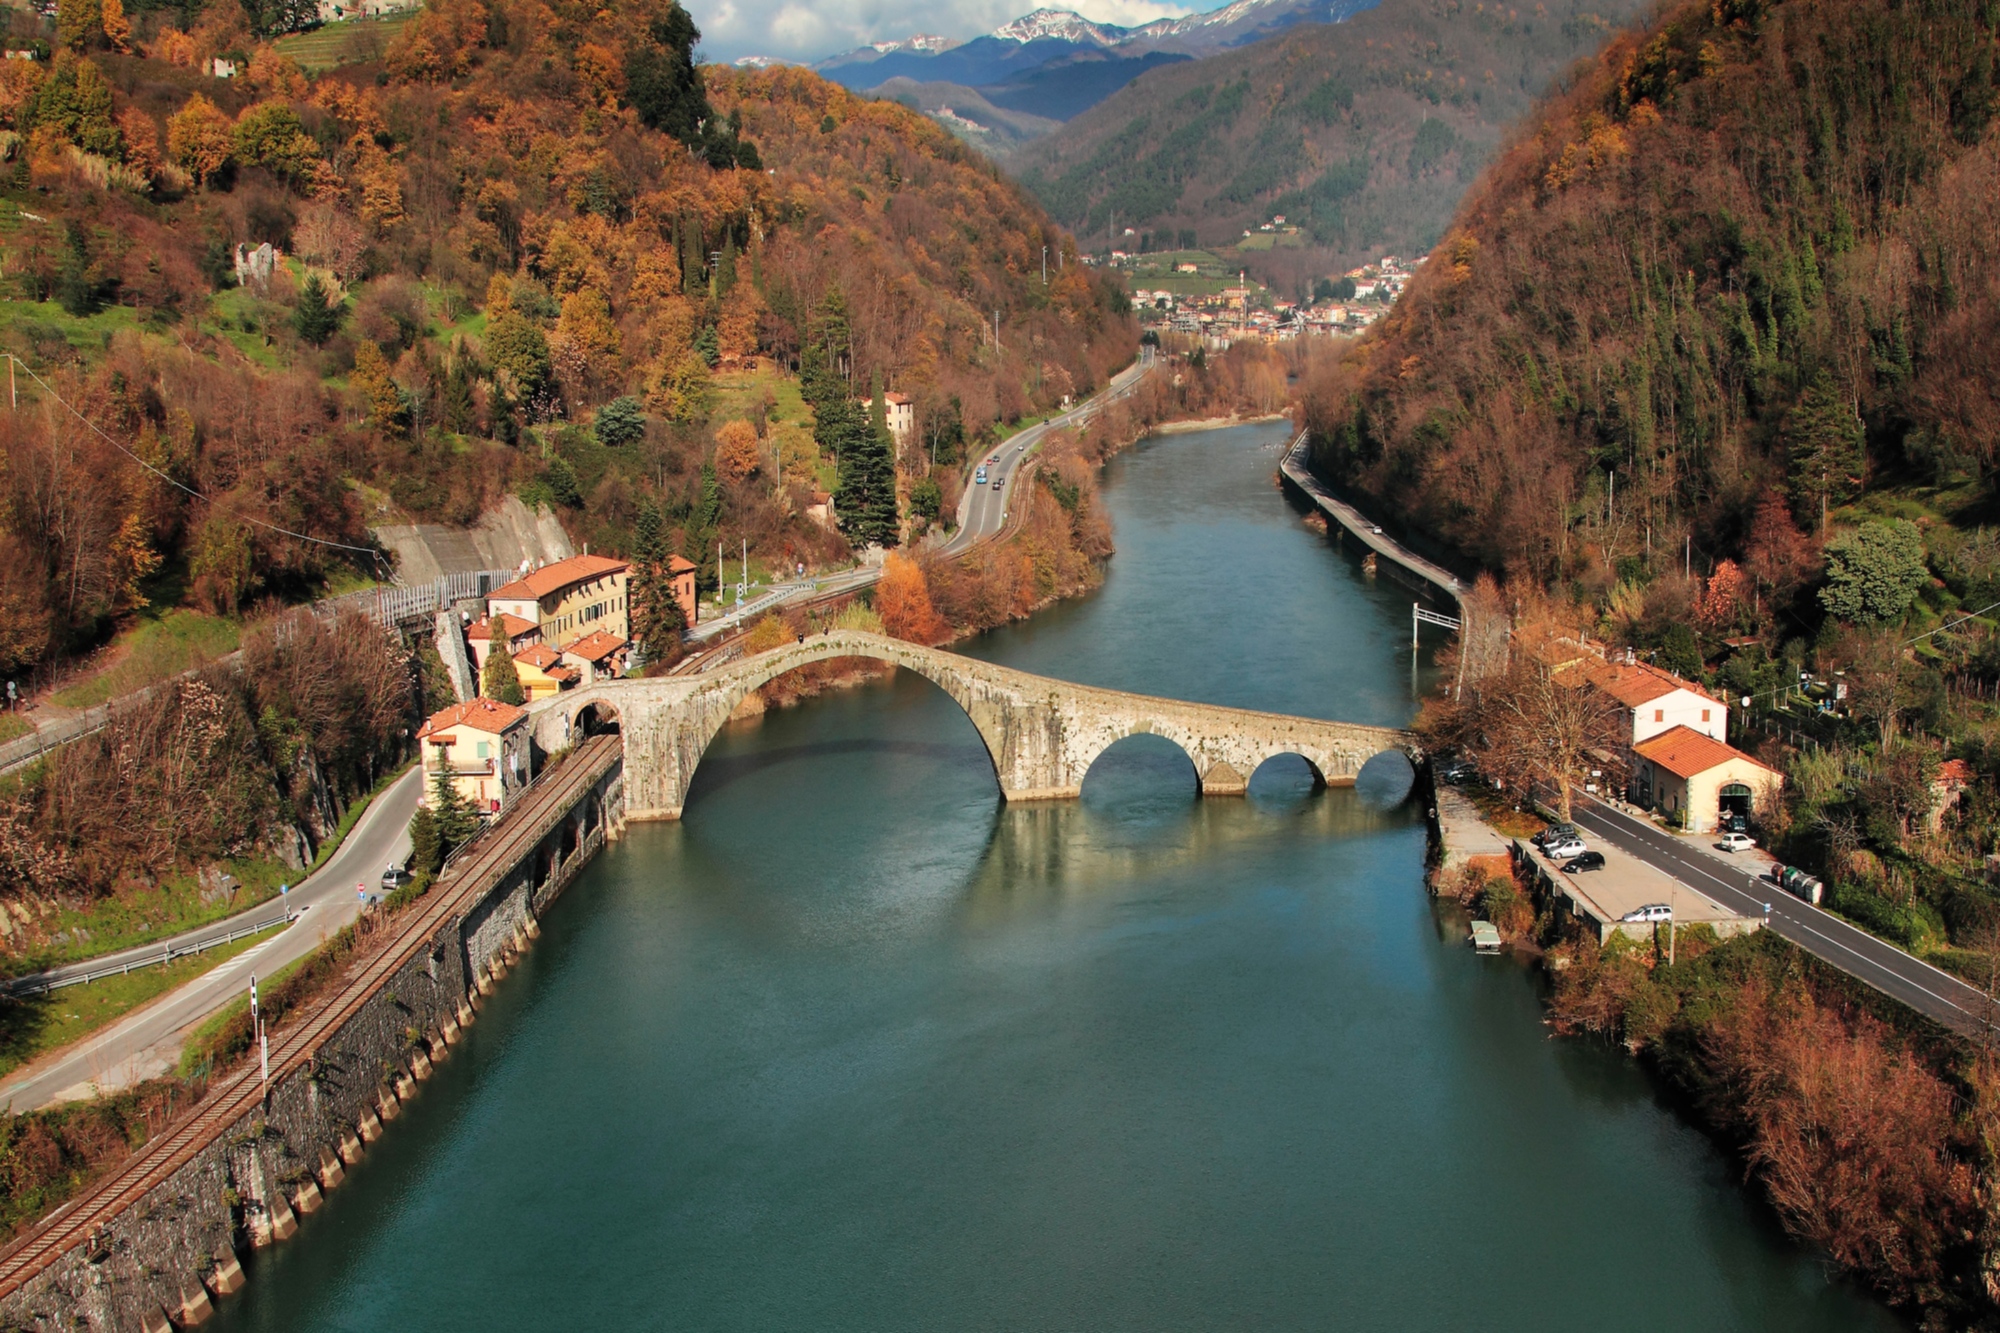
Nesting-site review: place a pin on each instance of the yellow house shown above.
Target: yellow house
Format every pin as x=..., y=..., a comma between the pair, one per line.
x=1700, y=780
x=542, y=672
x=568, y=598
x=483, y=745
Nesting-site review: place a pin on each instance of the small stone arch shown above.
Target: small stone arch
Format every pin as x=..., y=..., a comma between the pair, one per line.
x=1272, y=770
x=1387, y=778
x=1160, y=762
x=596, y=718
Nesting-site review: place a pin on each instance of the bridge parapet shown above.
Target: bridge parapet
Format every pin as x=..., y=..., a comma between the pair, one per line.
x=1042, y=734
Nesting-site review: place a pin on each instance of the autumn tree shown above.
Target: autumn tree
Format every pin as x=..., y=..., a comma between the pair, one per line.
x=1721, y=598
x=903, y=600
x=501, y=679
x=1537, y=726
x=1779, y=556
x=371, y=378
x=736, y=455
x=199, y=139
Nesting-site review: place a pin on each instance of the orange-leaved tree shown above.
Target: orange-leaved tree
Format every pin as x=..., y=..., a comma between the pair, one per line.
x=903, y=600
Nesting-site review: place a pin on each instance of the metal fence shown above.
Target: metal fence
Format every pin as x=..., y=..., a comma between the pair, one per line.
x=43, y=982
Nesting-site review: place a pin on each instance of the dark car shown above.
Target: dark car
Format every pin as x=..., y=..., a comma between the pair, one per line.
x=1583, y=861
x=1458, y=771
x=1556, y=833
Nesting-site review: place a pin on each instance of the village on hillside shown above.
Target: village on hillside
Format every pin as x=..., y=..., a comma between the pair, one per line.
x=1196, y=292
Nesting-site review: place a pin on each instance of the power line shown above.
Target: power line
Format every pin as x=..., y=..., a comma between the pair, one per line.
x=1952, y=624
x=175, y=482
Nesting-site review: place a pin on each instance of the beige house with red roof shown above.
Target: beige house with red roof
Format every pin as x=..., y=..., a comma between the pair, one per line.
x=596, y=656
x=1699, y=780
x=1658, y=701
x=483, y=745
x=569, y=598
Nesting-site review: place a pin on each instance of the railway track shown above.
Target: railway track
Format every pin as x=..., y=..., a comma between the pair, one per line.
x=75, y=1223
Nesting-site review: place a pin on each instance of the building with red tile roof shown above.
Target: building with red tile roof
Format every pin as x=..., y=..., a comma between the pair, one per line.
x=1699, y=781
x=569, y=597
x=482, y=745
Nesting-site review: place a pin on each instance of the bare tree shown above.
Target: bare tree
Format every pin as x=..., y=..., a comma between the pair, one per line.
x=1537, y=726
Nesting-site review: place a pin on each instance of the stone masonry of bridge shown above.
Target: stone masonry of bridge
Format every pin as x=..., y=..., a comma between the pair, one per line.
x=1042, y=734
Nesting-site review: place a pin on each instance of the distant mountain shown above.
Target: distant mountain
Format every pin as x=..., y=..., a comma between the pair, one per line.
x=1364, y=135
x=1055, y=63
x=966, y=113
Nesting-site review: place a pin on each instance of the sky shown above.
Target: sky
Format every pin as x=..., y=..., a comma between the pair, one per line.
x=809, y=29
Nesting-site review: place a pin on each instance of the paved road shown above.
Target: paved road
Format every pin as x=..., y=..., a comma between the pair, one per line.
x=1363, y=528
x=1936, y=994
x=982, y=510
x=148, y=1040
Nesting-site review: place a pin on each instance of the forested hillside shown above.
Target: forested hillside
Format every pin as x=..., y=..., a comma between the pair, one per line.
x=1705, y=369
x=1749, y=253
x=525, y=246
x=1364, y=133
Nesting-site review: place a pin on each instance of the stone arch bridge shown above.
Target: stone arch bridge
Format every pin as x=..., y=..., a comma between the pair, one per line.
x=1042, y=734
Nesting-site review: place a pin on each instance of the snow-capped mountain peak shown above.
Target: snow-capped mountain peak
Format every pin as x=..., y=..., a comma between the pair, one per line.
x=926, y=42
x=1061, y=25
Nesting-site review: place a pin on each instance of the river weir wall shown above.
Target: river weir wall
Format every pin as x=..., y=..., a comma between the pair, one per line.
x=154, y=1245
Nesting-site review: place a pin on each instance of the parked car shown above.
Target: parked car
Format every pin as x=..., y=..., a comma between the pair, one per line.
x=1457, y=771
x=1576, y=865
x=1736, y=842
x=1557, y=833
x=396, y=876
x=1564, y=850
x=1650, y=912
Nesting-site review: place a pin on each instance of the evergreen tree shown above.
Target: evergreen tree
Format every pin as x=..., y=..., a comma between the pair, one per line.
x=426, y=847
x=658, y=619
x=1874, y=572
x=78, y=288
x=317, y=314
x=1824, y=445
x=452, y=812
x=502, y=679
x=661, y=81
x=456, y=406
x=620, y=422
x=866, y=497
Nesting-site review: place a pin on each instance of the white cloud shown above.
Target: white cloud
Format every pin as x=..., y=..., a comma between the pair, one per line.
x=807, y=30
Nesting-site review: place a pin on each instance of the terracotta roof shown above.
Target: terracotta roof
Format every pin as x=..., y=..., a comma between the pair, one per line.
x=594, y=646
x=1685, y=752
x=541, y=657
x=680, y=564
x=1637, y=683
x=482, y=628
x=1954, y=771
x=897, y=398
x=552, y=578
x=488, y=715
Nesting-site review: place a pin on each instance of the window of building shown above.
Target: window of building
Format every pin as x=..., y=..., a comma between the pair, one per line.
x=1659, y=715
x=1704, y=715
x=485, y=750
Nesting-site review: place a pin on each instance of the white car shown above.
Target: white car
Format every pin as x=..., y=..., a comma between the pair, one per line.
x=1563, y=851
x=1650, y=912
x=1736, y=842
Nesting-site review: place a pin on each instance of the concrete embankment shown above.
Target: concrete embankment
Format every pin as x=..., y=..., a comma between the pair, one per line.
x=156, y=1243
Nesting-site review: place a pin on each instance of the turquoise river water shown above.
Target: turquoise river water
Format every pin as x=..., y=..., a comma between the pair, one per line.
x=855, y=1046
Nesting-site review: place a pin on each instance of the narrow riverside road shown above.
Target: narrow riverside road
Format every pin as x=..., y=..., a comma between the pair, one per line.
x=1935, y=994
x=142, y=1043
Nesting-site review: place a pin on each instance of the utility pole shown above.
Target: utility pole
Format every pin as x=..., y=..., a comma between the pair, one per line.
x=1045, y=266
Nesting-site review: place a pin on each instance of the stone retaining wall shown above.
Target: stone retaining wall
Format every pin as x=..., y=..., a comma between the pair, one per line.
x=164, y=1261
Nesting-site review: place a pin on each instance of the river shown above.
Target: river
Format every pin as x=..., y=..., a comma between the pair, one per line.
x=855, y=1046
